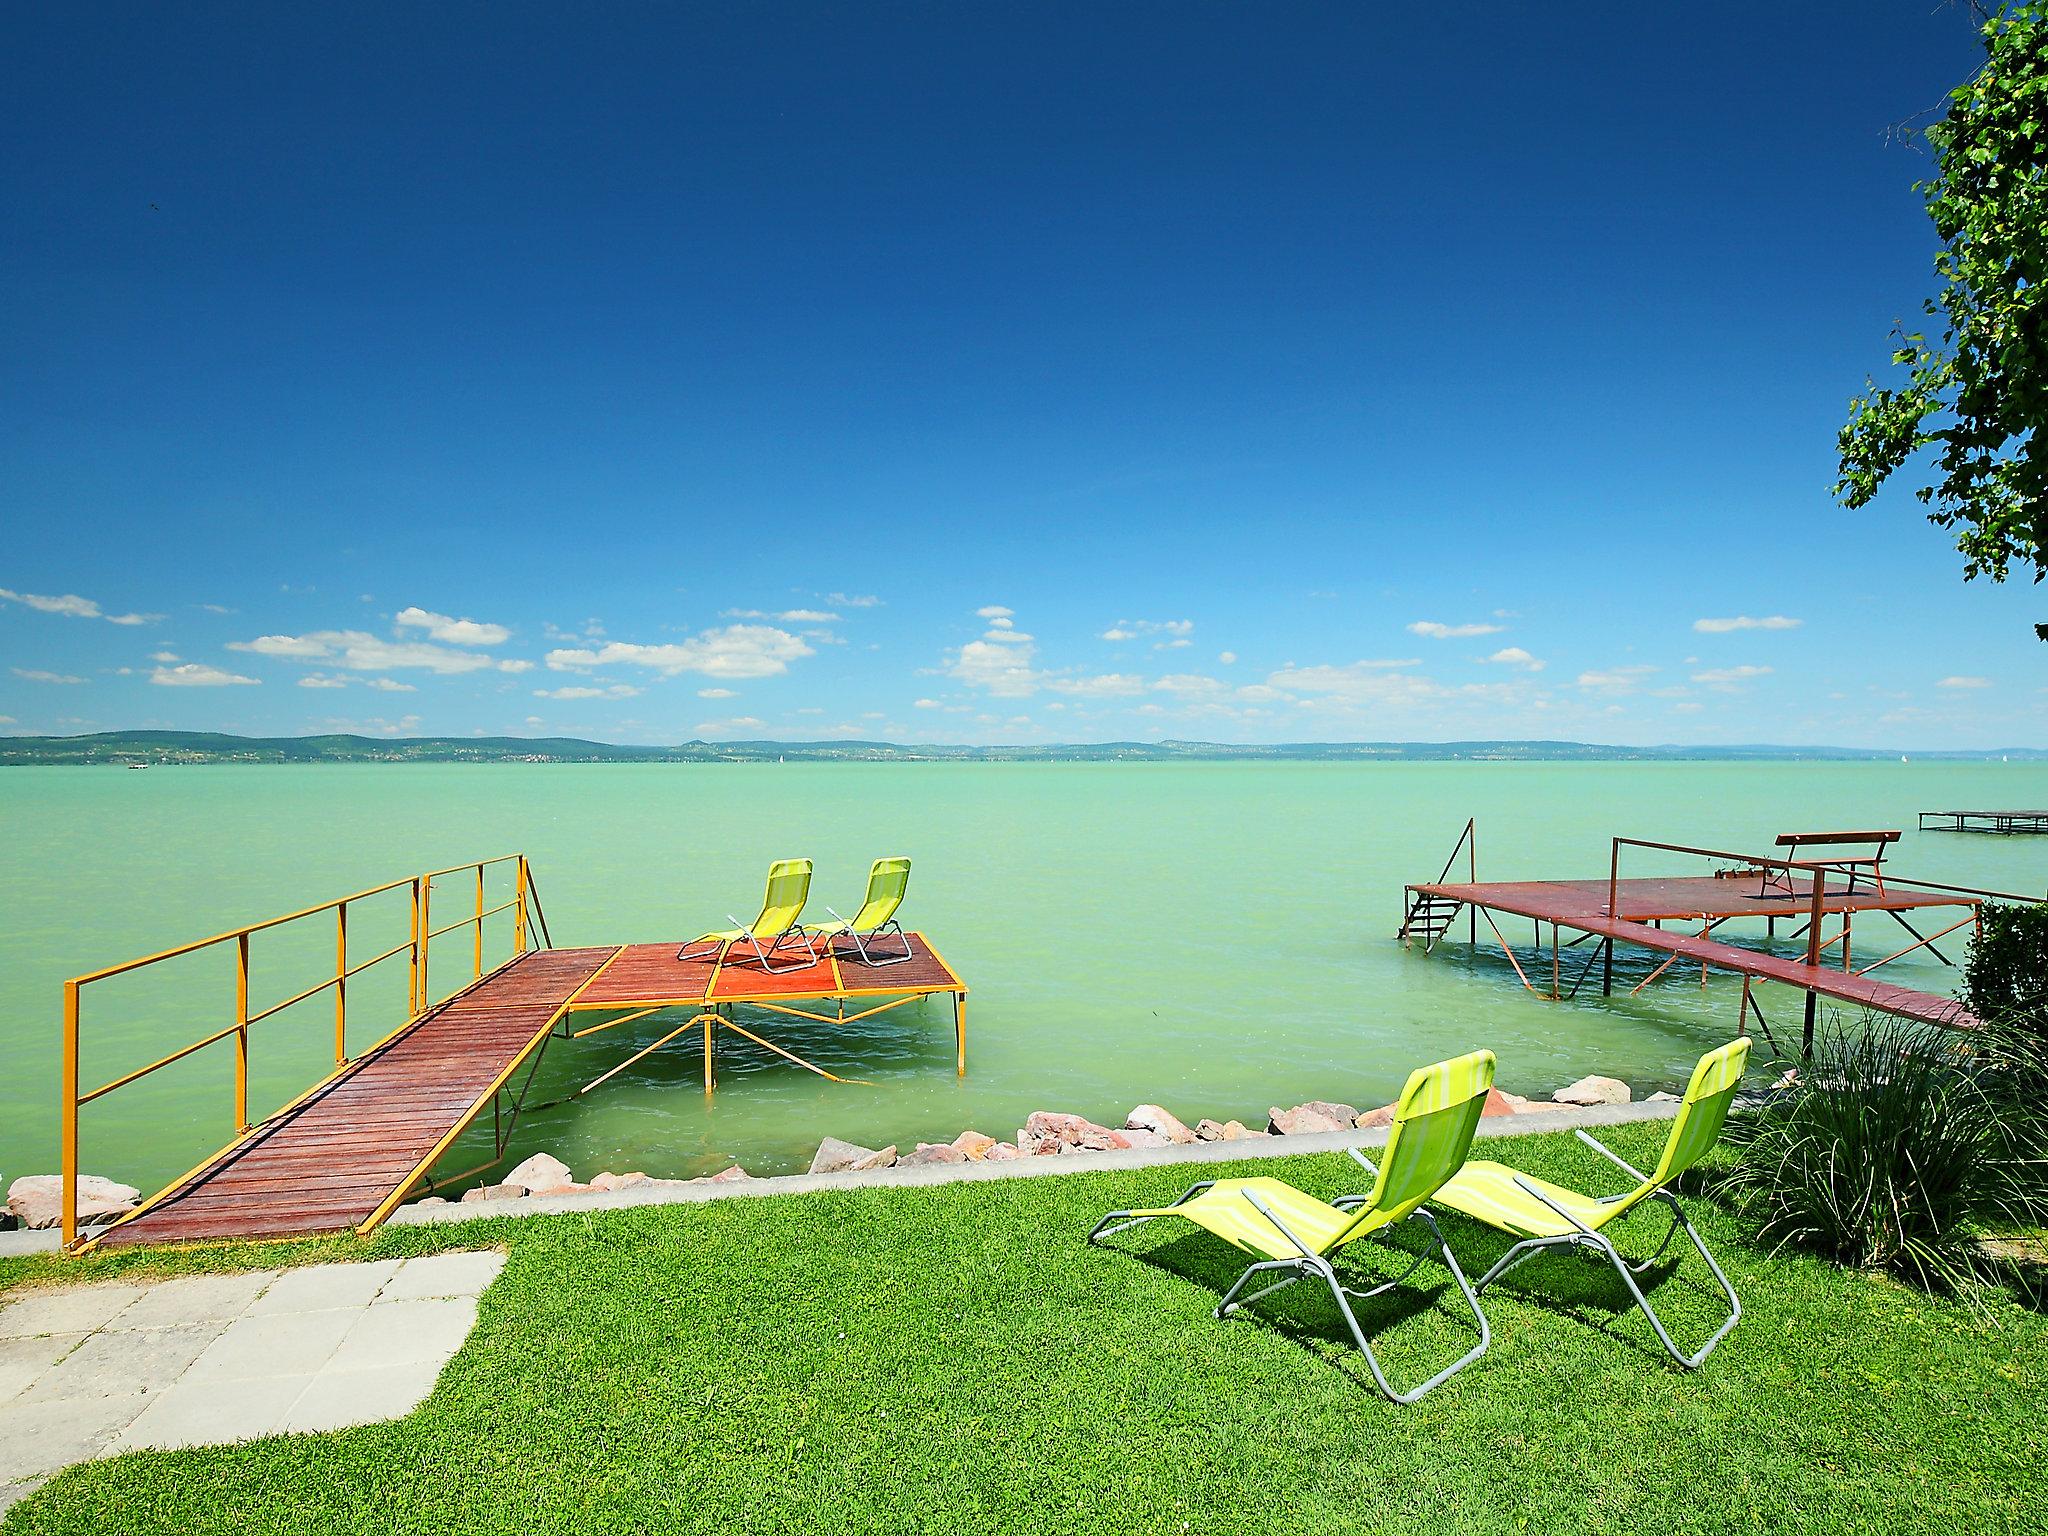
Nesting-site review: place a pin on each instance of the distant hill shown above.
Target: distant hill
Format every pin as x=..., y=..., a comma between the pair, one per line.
x=202, y=747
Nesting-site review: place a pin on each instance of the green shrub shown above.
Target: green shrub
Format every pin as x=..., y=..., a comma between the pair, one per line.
x=2006, y=969
x=1892, y=1151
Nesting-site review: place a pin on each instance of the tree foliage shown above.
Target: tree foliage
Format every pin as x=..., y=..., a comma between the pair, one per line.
x=1980, y=393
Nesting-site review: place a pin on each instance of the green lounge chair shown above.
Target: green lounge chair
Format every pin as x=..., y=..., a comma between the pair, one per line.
x=789, y=886
x=1545, y=1215
x=1300, y=1235
x=888, y=879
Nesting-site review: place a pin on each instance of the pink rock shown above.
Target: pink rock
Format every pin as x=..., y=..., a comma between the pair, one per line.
x=929, y=1154
x=730, y=1175
x=1373, y=1119
x=568, y=1188
x=1593, y=1090
x=1147, y=1138
x=973, y=1145
x=539, y=1172
x=1237, y=1130
x=1045, y=1132
x=1150, y=1117
x=885, y=1158
x=1316, y=1115
x=620, y=1181
x=1209, y=1130
x=493, y=1192
x=1496, y=1104
x=37, y=1199
x=1520, y=1105
x=1001, y=1152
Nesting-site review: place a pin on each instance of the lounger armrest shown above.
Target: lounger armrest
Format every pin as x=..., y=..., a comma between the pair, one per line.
x=1611, y=1155
x=1357, y=1155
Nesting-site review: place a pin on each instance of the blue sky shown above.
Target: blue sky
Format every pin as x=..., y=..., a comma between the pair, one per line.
x=963, y=373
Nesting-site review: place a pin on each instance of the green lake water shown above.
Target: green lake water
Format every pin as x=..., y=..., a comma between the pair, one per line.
x=1217, y=938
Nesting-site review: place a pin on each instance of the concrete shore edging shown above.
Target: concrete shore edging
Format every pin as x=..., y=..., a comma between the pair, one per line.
x=1532, y=1123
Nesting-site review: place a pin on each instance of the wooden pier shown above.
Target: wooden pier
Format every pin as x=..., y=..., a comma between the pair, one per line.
x=344, y=1155
x=1809, y=895
x=1998, y=823
x=345, y=1152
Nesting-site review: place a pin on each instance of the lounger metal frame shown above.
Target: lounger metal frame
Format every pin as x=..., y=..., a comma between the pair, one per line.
x=722, y=947
x=1311, y=1263
x=841, y=928
x=1584, y=1237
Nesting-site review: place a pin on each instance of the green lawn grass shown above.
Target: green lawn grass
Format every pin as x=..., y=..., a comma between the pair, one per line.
x=956, y=1359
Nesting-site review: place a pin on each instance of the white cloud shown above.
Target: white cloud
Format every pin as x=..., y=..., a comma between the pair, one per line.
x=1964, y=682
x=166, y=657
x=1131, y=629
x=736, y=651
x=716, y=693
x=389, y=685
x=38, y=675
x=925, y=704
x=1744, y=621
x=843, y=600
x=440, y=626
x=1228, y=658
x=298, y=647
x=721, y=727
x=72, y=606
x=786, y=616
x=613, y=691
x=1002, y=669
x=322, y=680
x=1191, y=685
x=216, y=608
x=1109, y=685
x=1432, y=630
x=1515, y=656
x=194, y=675
x=516, y=664
x=1615, y=679
x=995, y=611
x=535, y=720
x=359, y=651
x=1727, y=677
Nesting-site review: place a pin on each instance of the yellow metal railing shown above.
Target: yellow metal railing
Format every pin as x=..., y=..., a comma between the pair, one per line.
x=524, y=906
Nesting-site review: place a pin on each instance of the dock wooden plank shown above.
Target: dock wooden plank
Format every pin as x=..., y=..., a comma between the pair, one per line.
x=328, y=1163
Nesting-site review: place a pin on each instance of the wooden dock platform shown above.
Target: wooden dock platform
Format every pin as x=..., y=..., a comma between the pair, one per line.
x=1998, y=823
x=1813, y=893
x=1581, y=906
x=345, y=1153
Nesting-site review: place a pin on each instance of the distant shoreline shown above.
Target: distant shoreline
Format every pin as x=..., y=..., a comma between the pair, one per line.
x=206, y=748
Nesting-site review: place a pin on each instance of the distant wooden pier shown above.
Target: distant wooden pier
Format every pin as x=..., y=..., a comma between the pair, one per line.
x=1999, y=823
x=1808, y=894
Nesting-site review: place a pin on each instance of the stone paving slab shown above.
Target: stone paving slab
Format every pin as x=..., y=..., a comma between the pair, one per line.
x=100, y=1369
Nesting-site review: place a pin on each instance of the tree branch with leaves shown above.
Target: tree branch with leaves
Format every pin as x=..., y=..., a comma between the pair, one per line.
x=1978, y=395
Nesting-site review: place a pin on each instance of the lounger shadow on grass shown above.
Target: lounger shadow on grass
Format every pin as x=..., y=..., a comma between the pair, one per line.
x=1304, y=1315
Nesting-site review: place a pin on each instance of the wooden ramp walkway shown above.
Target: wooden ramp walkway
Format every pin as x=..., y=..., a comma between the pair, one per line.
x=1845, y=986
x=335, y=1158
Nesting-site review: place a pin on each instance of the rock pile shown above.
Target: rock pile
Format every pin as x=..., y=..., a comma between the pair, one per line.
x=542, y=1176
x=1045, y=1133
x=36, y=1200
